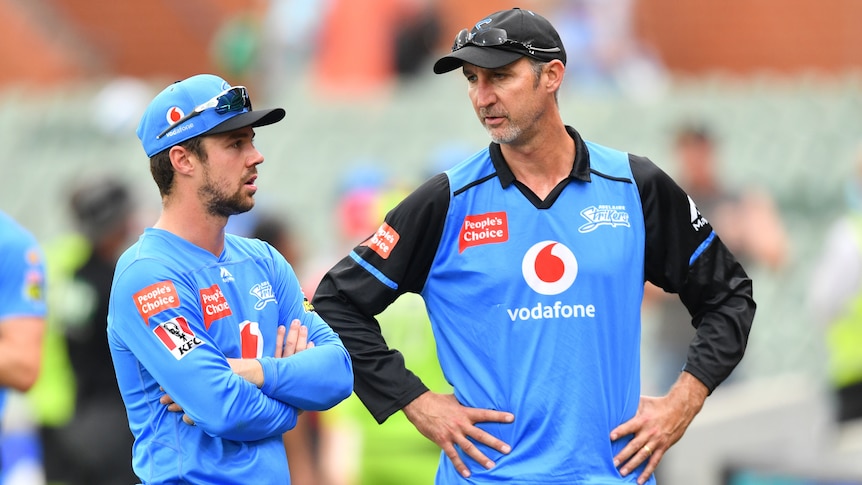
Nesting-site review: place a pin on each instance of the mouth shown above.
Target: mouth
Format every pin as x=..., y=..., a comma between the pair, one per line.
x=493, y=118
x=250, y=182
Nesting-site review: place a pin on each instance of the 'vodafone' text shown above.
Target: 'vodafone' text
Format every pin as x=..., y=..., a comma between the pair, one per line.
x=547, y=312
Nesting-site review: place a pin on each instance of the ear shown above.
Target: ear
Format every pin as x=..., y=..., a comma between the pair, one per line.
x=182, y=160
x=554, y=71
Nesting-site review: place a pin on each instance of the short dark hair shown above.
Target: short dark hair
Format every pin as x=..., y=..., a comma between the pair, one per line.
x=162, y=169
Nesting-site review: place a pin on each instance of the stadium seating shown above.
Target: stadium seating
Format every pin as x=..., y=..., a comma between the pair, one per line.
x=796, y=138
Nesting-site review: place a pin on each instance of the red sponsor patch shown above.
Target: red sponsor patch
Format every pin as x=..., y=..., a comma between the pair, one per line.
x=177, y=336
x=383, y=241
x=252, y=340
x=214, y=305
x=156, y=298
x=488, y=228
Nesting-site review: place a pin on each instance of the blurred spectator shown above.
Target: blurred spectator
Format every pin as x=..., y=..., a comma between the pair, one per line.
x=356, y=450
x=835, y=300
x=364, y=46
x=604, y=52
x=416, y=40
x=290, y=37
x=301, y=442
x=749, y=225
x=22, y=323
x=84, y=431
x=236, y=47
x=118, y=106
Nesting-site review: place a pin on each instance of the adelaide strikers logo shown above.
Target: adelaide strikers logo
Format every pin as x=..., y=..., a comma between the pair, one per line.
x=549, y=268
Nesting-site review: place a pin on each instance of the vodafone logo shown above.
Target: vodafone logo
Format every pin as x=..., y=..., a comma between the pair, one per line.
x=549, y=268
x=174, y=114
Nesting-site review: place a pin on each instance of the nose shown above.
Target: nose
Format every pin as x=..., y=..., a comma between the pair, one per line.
x=255, y=158
x=483, y=93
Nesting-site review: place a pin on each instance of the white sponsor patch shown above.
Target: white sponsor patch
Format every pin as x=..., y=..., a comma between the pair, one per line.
x=177, y=337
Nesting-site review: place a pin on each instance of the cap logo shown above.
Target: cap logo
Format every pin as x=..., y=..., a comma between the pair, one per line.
x=480, y=23
x=174, y=114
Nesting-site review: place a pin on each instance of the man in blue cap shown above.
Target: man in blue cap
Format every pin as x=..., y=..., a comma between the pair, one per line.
x=198, y=318
x=531, y=256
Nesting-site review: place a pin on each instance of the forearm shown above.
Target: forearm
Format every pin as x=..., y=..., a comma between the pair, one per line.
x=20, y=352
x=314, y=379
x=689, y=393
x=248, y=369
x=18, y=370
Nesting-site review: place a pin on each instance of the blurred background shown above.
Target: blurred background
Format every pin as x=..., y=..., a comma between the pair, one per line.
x=774, y=87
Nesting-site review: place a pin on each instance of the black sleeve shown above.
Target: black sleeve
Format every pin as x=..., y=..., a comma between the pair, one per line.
x=684, y=256
x=365, y=283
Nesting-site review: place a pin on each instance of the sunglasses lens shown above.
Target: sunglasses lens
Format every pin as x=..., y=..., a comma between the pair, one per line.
x=490, y=37
x=461, y=39
x=483, y=38
x=235, y=99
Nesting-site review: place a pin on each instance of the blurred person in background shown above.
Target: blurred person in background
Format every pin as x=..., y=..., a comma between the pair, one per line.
x=835, y=300
x=605, y=53
x=356, y=449
x=403, y=34
x=301, y=444
x=83, y=426
x=531, y=257
x=22, y=325
x=748, y=222
x=215, y=348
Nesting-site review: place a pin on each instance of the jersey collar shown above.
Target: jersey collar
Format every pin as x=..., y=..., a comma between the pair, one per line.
x=580, y=167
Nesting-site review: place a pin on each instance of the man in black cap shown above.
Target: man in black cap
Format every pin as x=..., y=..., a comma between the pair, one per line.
x=531, y=256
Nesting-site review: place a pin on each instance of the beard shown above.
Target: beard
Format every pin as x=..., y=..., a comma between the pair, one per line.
x=512, y=130
x=505, y=135
x=218, y=203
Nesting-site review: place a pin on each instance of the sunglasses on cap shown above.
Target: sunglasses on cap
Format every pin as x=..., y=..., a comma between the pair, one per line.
x=492, y=37
x=228, y=101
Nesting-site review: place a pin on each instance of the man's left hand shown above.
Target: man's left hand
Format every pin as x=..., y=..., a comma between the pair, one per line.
x=659, y=423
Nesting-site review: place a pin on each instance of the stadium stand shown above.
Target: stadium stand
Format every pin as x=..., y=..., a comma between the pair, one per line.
x=795, y=137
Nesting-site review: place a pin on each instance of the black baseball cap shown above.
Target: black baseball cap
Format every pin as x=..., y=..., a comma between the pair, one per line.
x=502, y=38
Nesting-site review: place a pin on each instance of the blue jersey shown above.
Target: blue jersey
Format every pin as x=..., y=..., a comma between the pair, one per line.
x=22, y=276
x=535, y=304
x=176, y=313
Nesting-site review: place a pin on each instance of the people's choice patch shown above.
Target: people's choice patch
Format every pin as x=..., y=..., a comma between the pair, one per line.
x=156, y=298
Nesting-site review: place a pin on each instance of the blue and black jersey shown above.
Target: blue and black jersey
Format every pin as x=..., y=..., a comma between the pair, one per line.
x=535, y=304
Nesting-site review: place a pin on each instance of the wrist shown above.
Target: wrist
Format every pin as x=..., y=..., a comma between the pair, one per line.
x=249, y=369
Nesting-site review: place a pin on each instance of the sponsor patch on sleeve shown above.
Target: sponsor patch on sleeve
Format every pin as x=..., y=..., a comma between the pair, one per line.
x=488, y=228
x=34, y=286
x=156, y=298
x=383, y=241
x=176, y=335
x=214, y=305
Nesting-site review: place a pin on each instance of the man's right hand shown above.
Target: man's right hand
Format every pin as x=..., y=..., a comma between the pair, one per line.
x=294, y=342
x=445, y=421
x=289, y=341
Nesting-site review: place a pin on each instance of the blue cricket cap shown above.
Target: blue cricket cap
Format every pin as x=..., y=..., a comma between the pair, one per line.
x=180, y=99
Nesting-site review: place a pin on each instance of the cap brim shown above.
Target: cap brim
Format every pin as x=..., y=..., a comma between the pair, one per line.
x=485, y=57
x=250, y=118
